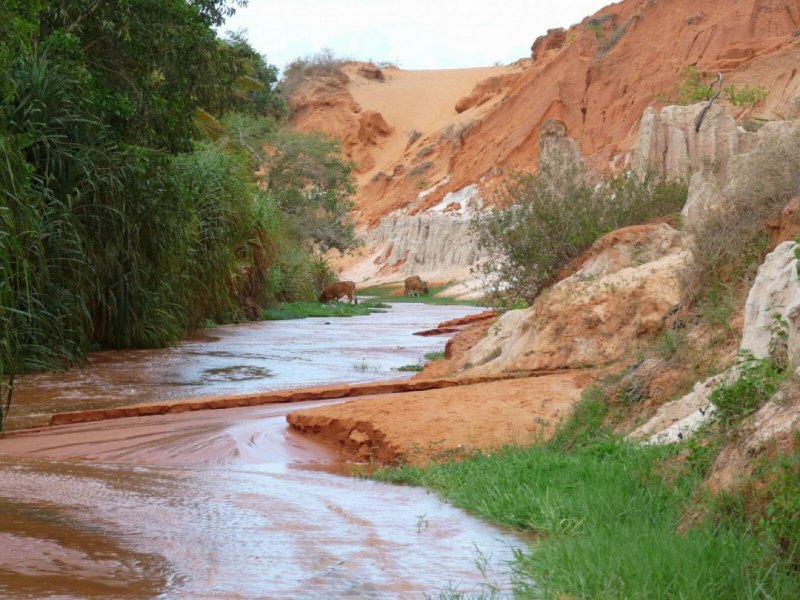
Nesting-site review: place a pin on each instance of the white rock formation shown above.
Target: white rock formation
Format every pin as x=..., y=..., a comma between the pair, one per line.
x=776, y=290
x=704, y=194
x=680, y=418
x=668, y=143
x=617, y=299
x=740, y=168
x=424, y=243
x=775, y=295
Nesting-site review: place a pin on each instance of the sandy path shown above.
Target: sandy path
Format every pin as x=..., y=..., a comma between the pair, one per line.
x=420, y=426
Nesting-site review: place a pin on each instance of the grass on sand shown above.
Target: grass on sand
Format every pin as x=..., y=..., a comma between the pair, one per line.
x=301, y=310
x=383, y=293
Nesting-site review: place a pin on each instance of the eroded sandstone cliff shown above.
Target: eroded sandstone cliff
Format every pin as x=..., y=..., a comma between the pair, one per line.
x=417, y=136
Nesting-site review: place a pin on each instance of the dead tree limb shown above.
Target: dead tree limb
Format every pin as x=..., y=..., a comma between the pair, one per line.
x=699, y=120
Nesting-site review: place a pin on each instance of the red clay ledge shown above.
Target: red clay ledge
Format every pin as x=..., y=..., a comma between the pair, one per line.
x=277, y=397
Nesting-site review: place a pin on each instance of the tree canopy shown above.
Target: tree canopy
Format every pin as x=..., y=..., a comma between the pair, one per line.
x=148, y=181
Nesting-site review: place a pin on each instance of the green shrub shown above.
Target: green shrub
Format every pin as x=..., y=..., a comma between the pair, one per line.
x=745, y=96
x=692, y=87
x=548, y=219
x=757, y=382
x=696, y=86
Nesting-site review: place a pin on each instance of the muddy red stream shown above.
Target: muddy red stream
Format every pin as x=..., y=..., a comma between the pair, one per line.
x=226, y=504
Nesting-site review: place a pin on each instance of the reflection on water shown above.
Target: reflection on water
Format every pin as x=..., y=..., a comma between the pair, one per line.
x=227, y=503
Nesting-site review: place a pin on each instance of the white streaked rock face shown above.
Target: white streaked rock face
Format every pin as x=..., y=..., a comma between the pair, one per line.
x=616, y=301
x=776, y=291
x=680, y=418
x=668, y=143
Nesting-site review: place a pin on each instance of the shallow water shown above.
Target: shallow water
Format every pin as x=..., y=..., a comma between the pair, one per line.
x=230, y=503
x=240, y=359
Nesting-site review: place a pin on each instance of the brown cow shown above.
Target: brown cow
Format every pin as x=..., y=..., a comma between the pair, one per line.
x=415, y=286
x=334, y=291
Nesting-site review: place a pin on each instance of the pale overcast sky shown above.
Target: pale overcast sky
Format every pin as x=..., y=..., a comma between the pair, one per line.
x=415, y=34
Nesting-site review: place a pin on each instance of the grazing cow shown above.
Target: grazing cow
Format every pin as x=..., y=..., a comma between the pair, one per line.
x=334, y=291
x=415, y=286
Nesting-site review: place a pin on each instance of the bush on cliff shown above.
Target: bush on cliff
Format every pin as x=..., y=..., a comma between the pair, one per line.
x=731, y=240
x=546, y=220
x=322, y=64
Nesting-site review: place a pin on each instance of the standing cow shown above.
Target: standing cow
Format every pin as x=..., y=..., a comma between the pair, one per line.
x=334, y=291
x=415, y=286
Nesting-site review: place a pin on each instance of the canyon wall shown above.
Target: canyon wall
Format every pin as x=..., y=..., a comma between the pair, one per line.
x=609, y=80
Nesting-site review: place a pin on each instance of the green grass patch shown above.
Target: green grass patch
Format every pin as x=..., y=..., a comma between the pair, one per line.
x=420, y=365
x=382, y=293
x=302, y=310
x=586, y=425
x=768, y=503
x=608, y=515
x=611, y=517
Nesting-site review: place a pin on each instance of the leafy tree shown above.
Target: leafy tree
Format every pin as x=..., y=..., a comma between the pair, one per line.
x=153, y=63
x=120, y=224
x=261, y=99
x=304, y=174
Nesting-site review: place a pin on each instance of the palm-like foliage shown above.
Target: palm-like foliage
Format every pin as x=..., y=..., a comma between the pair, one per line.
x=117, y=228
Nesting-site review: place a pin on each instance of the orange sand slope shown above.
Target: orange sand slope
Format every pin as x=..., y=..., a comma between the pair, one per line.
x=597, y=77
x=421, y=426
x=421, y=101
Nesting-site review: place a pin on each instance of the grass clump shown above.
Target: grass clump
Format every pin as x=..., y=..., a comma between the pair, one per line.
x=768, y=503
x=757, y=382
x=420, y=365
x=302, y=310
x=607, y=40
x=548, y=219
x=323, y=63
x=586, y=425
